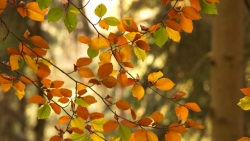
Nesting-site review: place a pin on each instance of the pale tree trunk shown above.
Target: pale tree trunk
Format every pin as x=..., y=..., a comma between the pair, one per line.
x=227, y=71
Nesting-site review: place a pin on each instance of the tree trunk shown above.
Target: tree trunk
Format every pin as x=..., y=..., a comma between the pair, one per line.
x=227, y=71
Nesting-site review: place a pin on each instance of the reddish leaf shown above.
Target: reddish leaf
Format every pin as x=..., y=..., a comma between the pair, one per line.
x=89, y=99
x=77, y=130
x=64, y=119
x=117, y=56
x=143, y=45
x=154, y=28
x=65, y=92
x=2, y=5
x=37, y=99
x=122, y=104
x=191, y=13
x=83, y=61
x=125, y=53
x=63, y=100
x=43, y=71
x=57, y=84
x=196, y=4
x=82, y=112
x=22, y=11
x=12, y=50
x=56, y=108
x=173, y=14
x=133, y=114
x=128, y=123
x=19, y=85
x=173, y=24
x=40, y=51
x=179, y=95
x=145, y=121
x=39, y=42
x=109, y=82
x=110, y=126
x=105, y=70
x=96, y=115
x=85, y=72
x=193, y=106
x=245, y=91
x=56, y=92
x=129, y=25
x=164, y=2
x=128, y=64
x=191, y=123
x=55, y=138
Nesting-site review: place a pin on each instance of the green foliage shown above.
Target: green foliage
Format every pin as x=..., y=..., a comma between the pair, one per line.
x=76, y=137
x=73, y=9
x=140, y=53
x=112, y=21
x=160, y=36
x=208, y=8
x=100, y=10
x=70, y=21
x=82, y=103
x=43, y=111
x=43, y=4
x=244, y=103
x=124, y=132
x=92, y=53
x=55, y=14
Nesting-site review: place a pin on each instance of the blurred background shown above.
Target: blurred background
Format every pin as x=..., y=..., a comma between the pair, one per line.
x=211, y=65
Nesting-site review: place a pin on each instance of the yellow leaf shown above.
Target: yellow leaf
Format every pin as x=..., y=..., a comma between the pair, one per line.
x=181, y=112
x=151, y=136
x=140, y=53
x=164, y=84
x=131, y=36
x=125, y=53
x=97, y=136
x=2, y=5
x=173, y=34
x=34, y=12
x=31, y=63
x=14, y=62
x=78, y=122
x=19, y=94
x=193, y=106
x=99, y=43
x=153, y=77
x=172, y=136
x=103, y=24
x=105, y=57
x=138, y=91
x=140, y=135
x=97, y=124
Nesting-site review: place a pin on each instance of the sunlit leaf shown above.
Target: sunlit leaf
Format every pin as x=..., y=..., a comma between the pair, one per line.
x=43, y=111
x=140, y=53
x=99, y=43
x=6, y=87
x=164, y=84
x=191, y=123
x=151, y=136
x=82, y=112
x=160, y=36
x=173, y=24
x=124, y=132
x=145, y=121
x=39, y=42
x=43, y=71
x=14, y=62
x=57, y=84
x=140, y=135
x=79, y=101
x=96, y=115
x=105, y=70
x=56, y=108
x=176, y=127
x=84, y=39
x=103, y=24
x=191, y=13
x=157, y=117
x=125, y=53
x=186, y=24
x=173, y=34
x=133, y=114
x=64, y=119
x=112, y=21
x=74, y=9
x=154, y=76
x=193, y=106
x=181, y=112
x=70, y=21
x=208, y=8
x=63, y=100
x=172, y=136
x=92, y=53
x=244, y=103
x=19, y=85
x=100, y=10
x=97, y=124
x=78, y=122
x=43, y=4
x=179, y=95
x=34, y=12
x=143, y=45
x=85, y=72
x=153, y=28
x=19, y=94
x=110, y=126
x=76, y=137
x=21, y=11
x=2, y=5
x=89, y=99
x=97, y=136
x=109, y=82
x=55, y=14
x=138, y=91
x=129, y=24
x=31, y=63
x=196, y=4
x=122, y=104
x=83, y=61
x=37, y=99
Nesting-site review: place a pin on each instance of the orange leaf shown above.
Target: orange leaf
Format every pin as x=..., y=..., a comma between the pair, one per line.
x=103, y=24
x=19, y=85
x=191, y=13
x=63, y=100
x=22, y=11
x=196, y=4
x=154, y=28
x=129, y=25
x=177, y=128
x=34, y=12
x=55, y=138
x=245, y=91
x=140, y=135
x=65, y=92
x=43, y=71
x=128, y=64
x=173, y=14
x=186, y=24
x=125, y=53
x=154, y=76
x=212, y=1
x=179, y=95
x=117, y=56
x=181, y=112
x=37, y=99
x=109, y=82
x=83, y=61
x=40, y=51
x=172, y=136
x=133, y=114
x=99, y=43
x=164, y=84
x=26, y=80
x=121, y=41
x=46, y=82
x=96, y=115
x=85, y=72
x=89, y=99
x=14, y=62
x=64, y=119
x=82, y=112
x=191, y=123
x=138, y=91
x=128, y=123
x=121, y=28
x=157, y=117
x=105, y=56
x=143, y=45
x=173, y=24
x=4, y=79
x=193, y=106
x=56, y=92
x=110, y=126
x=84, y=39
x=6, y=86
x=57, y=84
x=105, y=70
x=77, y=130
x=151, y=136
x=145, y=121
x=122, y=104
x=164, y=2
x=56, y=108
x=2, y=5
x=39, y=42
x=12, y=50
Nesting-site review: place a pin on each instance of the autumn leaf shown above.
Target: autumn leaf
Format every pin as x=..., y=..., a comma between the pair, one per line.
x=19, y=94
x=186, y=24
x=164, y=2
x=82, y=112
x=99, y=43
x=177, y=128
x=164, y=84
x=105, y=70
x=196, y=4
x=84, y=61
x=143, y=45
x=145, y=121
x=138, y=91
x=191, y=123
x=63, y=100
x=65, y=92
x=97, y=124
x=39, y=42
x=173, y=34
x=172, y=136
x=129, y=24
x=85, y=72
x=173, y=24
x=97, y=136
x=244, y=103
x=122, y=104
x=84, y=39
x=78, y=122
x=110, y=126
x=244, y=139
x=34, y=12
x=103, y=24
x=140, y=53
x=129, y=124
x=245, y=91
x=133, y=114
x=56, y=108
x=31, y=63
x=89, y=99
x=2, y=5
x=151, y=136
x=109, y=82
x=191, y=13
x=157, y=117
x=64, y=119
x=154, y=76
x=193, y=106
x=181, y=112
x=125, y=53
x=179, y=95
x=55, y=138
x=14, y=62
x=140, y=135
x=37, y=99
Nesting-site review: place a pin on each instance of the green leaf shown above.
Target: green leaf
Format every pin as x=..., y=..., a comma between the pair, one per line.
x=73, y=9
x=100, y=10
x=82, y=103
x=97, y=124
x=124, y=132
x=43, y=4
x=20, y=63
x=87, y=139
x=112, y=21
x=208, y=8
x=70, y=21
x=140, y=53
x=244, y=103
x=76, y=137
x=92, y=53
x=55, y=14
x=43, y=111
x=160, y=36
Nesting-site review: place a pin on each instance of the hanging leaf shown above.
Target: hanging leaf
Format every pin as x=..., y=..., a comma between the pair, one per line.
x=164, y=2
x=143, y=45
x=140, y=53
x=244, y=103
x=97, y=124
x=100, y=10
x=92, y=53
x=173, y=34
x=193, y=106
x=74, y=9
x=112, y=21
x=138, y=91
x=43, y=111
x=128, y=123
x=172, y=136
x=2, y=5
x=109, y=82
x=177, y=128
x=65, y=92
x=82, y=112
x=157, y=117
x=37, y=99
x=14, y=62
x=129, y=24
x=64, y=119
x=124, y=132
x=125, y=53
x=154, y=76
x=191, y=13
x=164, y=84
x=160, y=36
x=63, y=100
x=85, y=72
x=122, y=104
x=78, y=122
x=84, y=39
x=103, y=24
x=245, y=91
x=19, y=94
x=6, y=87
x=181, y=112
x=82, y=103
x=57, y=84
x=145, y=121
x=191, y=123
x=70, y=21
x=89, y=99
x=20, y=10
x=151, y=136
x=140, y=135
x=208, y=8
x=83, y=61
x=179, y=95
x=99, y=43
x=77, y=137
x=244, y=139
x=31, y=63
x=186, y=24
x=97, y=136
x=173, y=24
x=110, y=126
x=196, y=4
x=43, y=4
x=56, y=108
x=96, y=115
x=55, y=14
x=34, y=12
x=133, y=114
x=55, y=138
x=105, y=70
